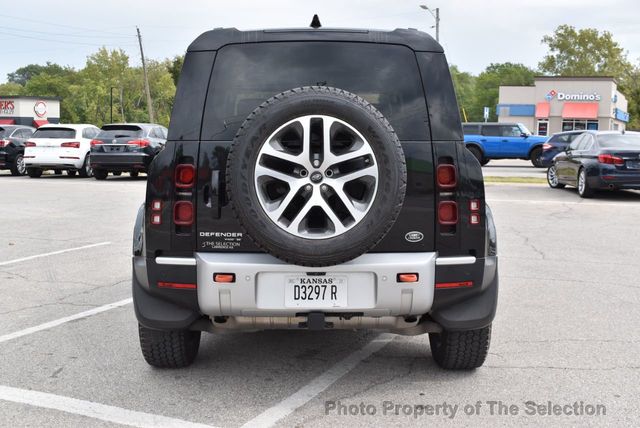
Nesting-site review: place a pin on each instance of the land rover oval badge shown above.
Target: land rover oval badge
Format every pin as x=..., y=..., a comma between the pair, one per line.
x=414, y=236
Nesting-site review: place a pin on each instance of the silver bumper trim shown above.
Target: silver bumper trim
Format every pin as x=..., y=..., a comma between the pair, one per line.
x=176, y=261
x=450, y=261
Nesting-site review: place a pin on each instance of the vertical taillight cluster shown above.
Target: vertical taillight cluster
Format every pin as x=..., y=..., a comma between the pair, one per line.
x=447, y=181
x=185, y=178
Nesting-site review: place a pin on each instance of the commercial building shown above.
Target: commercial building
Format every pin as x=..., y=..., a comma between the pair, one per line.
x=31, y=111
x=555, y=104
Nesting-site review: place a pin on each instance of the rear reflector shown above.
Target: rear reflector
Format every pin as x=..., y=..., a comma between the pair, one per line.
x=224, y=277
x=156, y=205
x=177, y=285
x=156, y=219
x=446, y=176
x=407, y=277
x=72, y=145
x=610, y=159
x=183, y=213
x=185, y=175
x=454, y=284
x=474, y=205
x=448, y=213
x=474, y=218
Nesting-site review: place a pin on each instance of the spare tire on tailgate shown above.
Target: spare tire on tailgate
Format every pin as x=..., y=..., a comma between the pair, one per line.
x=316, y=176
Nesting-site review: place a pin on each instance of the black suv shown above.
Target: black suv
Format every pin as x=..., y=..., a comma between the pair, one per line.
x=12, y=143
x=315, y=179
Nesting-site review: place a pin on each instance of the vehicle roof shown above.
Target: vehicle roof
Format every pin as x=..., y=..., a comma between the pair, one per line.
x=141, y=125
x=596, y=133
x=16, y=126
x=76, y=126
x=219, y=37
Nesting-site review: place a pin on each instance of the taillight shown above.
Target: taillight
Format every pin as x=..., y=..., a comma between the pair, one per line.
x=4, y=143
x=448, y=213
x=183, y=213
x=139, y=143
x=72, y=145
x=96, y=142
x=446, y=175
x=185, y=176
x=546, y=146
x=29, y=144
x=610, y=159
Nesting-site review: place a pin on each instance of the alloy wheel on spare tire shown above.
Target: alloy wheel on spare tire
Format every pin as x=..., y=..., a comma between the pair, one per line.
x=316, y=176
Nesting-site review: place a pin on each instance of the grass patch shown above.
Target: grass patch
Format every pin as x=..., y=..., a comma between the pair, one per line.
x=528, y=180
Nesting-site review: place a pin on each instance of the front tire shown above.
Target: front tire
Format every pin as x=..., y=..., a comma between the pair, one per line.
x=534, y=157
x=552, y=178
x=86, y=170
x=169, y=349
x=133, y=174
x=460, y=350
x=34, y=172
x=584, y=189
x=18, y=168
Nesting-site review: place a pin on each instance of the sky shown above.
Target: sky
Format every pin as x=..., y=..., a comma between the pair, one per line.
x=473, y=33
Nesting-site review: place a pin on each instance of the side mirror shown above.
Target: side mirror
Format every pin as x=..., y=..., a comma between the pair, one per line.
x=523, y=135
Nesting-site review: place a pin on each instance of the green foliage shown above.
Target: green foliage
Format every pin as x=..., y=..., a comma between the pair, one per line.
x=585, y=52
x=175, y=67
x=10, y=88
x=22, y=75
x=464, y=85
x=488, y=82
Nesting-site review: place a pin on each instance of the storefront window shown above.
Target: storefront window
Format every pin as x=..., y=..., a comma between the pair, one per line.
x=579, y=125
x=543, y=127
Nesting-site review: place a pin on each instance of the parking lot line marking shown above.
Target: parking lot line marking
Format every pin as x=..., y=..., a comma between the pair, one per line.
x=305, y=394
x=596, y=204
x=60, y=321
x=93, y=410
x=53, y=253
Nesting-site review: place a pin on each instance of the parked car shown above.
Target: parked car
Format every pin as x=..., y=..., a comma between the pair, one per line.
x=126, y=147
x=12, y=140
x=60, y=148
x=279, y=203
x=557, y=143
x=502, y=141
x=598, y=160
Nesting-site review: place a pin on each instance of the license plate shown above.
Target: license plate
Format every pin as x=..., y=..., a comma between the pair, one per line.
x=633, y=164
x=322, y=291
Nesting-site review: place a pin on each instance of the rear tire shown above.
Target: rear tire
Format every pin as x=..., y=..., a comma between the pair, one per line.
x=460, y=350
x=552, y=178
x=86, y=170
x=18, y=168
x=477, y=153
x=100, y=174
x=133, y=174
x=57, y=171
x=116, y=173
x=534, y=156
x=71, y=173
x=584, y=190
x=34, y=172
x=169, y=349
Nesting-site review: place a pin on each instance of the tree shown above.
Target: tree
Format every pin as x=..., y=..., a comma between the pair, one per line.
x=22, y=75
x=10, y=88
x=585, y=52
x=488, y=82
x=464, y=85
x=175, y=67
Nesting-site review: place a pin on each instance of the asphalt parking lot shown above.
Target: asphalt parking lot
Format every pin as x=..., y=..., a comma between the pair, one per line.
x=566, y=329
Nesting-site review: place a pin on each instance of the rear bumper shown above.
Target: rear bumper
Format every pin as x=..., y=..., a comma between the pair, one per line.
x=613, y=178
x=54, y=161
x=121, y=161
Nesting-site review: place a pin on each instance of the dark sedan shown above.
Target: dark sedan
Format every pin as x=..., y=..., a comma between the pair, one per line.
x=126, y=147
x=557, y=143
x=598, y=160
x=12, y=139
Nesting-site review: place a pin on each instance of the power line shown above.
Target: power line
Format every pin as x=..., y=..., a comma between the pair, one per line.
x=84, y=36
x=93, y=30
x=66, y=41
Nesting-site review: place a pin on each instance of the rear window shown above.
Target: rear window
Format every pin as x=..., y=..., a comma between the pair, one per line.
x=120, y=132
x=620, y=140
x=3, y=132
x=55, y=133
x=246, y=75
x=471, y=129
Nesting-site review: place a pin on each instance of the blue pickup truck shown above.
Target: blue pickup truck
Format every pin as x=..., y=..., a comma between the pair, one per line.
x=502, y=141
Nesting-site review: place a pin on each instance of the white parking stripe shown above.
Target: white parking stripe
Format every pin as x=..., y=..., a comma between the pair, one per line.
x=93, y=410
x=53, y=253
x=305, y=394
x=59, y=321
x=534, y=201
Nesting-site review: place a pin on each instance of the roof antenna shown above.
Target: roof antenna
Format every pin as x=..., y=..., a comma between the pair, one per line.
x=315, y=22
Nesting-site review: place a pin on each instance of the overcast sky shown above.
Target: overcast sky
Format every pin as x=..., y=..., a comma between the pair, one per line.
x=474, y=33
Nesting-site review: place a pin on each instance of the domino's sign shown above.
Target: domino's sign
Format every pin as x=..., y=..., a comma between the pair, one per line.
x=564, y=96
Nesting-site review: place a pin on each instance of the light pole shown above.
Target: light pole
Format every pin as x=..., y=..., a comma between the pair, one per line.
x=436, y=16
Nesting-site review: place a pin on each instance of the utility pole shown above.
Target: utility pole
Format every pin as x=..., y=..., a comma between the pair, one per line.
x=436, y=16
x=111, y=104
x=146, y=80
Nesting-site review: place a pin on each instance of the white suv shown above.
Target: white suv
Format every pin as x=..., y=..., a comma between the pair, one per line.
x=60, y=147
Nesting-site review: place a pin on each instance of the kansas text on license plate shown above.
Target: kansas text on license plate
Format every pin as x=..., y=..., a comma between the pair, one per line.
x=310, y=291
